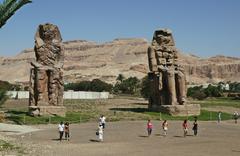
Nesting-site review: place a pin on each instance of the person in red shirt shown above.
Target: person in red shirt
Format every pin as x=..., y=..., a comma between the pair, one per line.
x=185, y=128
x=149, y=127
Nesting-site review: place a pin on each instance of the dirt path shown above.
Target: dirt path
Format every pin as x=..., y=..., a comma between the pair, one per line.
x=129, y=138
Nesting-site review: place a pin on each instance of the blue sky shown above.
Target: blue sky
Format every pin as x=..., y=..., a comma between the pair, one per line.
x=202, y=27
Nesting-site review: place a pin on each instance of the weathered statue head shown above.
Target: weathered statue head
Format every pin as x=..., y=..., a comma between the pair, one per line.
x=48, y=45
x=163, y=37
x=49, y=32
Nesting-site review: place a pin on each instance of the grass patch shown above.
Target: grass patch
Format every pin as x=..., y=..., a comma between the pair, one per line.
x=204, y=116
x=223, y=101
x=9, y=148
x=5, y=146
x=20, y=117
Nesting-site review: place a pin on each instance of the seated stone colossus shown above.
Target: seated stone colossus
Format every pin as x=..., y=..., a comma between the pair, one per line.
x=167, y=78
x=46, y=73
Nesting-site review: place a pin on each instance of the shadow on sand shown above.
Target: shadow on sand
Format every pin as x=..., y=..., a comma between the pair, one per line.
x=143, y=136
x=181, y=136
x=160, y=135
x=94, y=140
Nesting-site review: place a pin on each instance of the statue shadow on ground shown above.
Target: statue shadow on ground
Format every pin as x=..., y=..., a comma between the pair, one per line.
x=137, y=110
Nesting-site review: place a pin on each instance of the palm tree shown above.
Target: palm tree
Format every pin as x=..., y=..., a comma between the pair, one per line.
x=9, y=7
x=120, y=78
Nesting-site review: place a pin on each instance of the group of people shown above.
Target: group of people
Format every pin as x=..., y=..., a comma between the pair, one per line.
x=165, y=127
x=63, y=128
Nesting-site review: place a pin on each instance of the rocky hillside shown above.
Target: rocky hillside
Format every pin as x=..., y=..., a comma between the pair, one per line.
x=86, y=60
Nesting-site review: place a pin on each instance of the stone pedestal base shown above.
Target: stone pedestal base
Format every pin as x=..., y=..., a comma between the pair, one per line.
x=47, y=110
x=178, y=110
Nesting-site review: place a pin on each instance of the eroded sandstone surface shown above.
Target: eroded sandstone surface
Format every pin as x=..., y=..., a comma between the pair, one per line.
x=86, y=60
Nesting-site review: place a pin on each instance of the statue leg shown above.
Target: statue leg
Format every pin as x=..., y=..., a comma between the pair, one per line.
x=41, y=86
x=171, y=88
x=181, y=87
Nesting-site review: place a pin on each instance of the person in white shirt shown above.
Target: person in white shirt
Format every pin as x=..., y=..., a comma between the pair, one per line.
x=61, y=130
x=102, y=121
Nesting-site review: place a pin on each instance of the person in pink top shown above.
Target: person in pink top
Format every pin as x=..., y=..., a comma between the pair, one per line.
x=149, y=127
x=185, y=128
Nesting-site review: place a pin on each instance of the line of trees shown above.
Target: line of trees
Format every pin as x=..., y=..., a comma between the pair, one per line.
x=199, y=92
x=131, y=85
x=94, y=85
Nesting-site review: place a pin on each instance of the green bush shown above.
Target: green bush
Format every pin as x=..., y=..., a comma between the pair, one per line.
x=130, y=85
x=94, y=85
x=99, y=86
x=234, y=87
x=145, y=87
x=200, y=93
x=213, y=91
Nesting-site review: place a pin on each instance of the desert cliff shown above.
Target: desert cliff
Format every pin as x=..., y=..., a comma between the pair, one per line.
x=85, y=60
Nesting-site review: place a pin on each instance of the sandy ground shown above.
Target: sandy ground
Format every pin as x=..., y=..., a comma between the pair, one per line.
x=130, y=138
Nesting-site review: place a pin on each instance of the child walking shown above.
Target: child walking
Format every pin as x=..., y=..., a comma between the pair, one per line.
x=195, y=127
x=149, y=127
x=185, y=128
x=67, y=131
x=165, y=127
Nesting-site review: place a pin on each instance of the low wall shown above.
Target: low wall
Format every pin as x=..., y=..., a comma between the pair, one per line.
x=67, y=95
x=85, y=95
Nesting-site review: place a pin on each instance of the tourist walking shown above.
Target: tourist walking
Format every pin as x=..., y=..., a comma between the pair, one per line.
x=100, y=132
x=67, y=131
x=149, y=127
x=195, y=127
x=165, y=127
x=102, y=121
x=235, y=116
x=61, y=130
x=219, y=116
x=185, y=128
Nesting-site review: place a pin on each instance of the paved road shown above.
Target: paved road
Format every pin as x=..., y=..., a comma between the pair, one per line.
x=11, y=129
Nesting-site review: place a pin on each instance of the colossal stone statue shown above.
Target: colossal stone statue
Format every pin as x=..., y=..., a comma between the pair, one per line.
x=167, y=77
x=46, y=75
